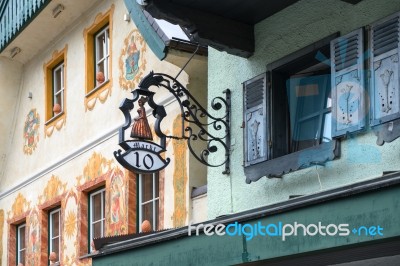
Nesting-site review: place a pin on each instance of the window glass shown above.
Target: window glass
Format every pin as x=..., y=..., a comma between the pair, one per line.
x=97, y=214
x=54, y=232
x=21, y=243
x=58, y=87
x=101, y=50
x=149, y=199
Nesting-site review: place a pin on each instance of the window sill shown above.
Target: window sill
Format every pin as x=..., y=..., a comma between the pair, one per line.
x=97, y=88
x=294, y=161
x=54, y=118
x=101, y=93
x=56, y=122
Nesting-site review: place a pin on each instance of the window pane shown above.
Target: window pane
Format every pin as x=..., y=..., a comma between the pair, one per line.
x=100, y=45
x=100, y=67
x=327, y=134
x=22, y=256
x=58, y=79
x=58, y=99
x=307, y=134
x=55, y=245
x=306, y=95
x=22, y=237
x=96, y=211
x=55, y=224
x=147, y=187
x=147, y=212
x=97, y=232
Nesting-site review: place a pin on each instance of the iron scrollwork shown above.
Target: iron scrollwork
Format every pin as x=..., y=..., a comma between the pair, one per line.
x=198, y=125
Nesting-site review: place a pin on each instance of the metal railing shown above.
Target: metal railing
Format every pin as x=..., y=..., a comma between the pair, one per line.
x=15, y=15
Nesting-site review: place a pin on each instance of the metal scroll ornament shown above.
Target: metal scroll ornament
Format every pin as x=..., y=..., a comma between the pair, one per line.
x=207, y=136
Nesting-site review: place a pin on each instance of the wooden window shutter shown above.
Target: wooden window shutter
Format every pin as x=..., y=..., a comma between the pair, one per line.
x=385, y=95
x=255, y=120
x=348, y=89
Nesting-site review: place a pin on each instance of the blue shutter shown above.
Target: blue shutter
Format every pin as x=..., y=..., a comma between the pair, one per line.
x=385, y=95
x=347, y=78
x=255, y=118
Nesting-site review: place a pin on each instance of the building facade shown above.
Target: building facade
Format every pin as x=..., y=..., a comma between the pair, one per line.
x=65, y=69
x=314, y=135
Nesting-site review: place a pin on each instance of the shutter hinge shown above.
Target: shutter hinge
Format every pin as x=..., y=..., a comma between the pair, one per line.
x=243, y=125
x=270, y=143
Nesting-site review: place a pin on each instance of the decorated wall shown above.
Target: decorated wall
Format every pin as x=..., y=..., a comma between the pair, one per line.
x=55, y=167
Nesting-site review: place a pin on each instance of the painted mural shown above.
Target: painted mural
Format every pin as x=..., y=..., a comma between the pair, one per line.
x=180, y=175
x=132, y=62
x=70, y=230
x=31, y=131
x=97, y=166
x=117, y=199
x=53, y=189
x=33, y=247
x=19, y=207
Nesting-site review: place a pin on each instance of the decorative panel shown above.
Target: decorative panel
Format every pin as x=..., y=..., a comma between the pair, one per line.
x=255, y=120
x=348, y=95
x=385, y=70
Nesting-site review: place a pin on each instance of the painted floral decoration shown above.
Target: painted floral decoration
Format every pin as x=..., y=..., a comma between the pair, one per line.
x=31, y=131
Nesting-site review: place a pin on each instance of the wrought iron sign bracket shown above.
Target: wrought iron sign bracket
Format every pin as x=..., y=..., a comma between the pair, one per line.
x=197, y=125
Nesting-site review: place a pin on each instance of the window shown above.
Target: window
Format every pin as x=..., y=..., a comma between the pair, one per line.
x=102, y=54
x=58, y=89
x=21, y=243
x=149, y=199
x=55, y=232
x=98, y=47
x=301, y=105
x=288, y=111
x=96, y=214
x=55, y=91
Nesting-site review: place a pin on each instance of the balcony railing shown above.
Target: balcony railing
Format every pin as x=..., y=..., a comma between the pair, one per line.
x=15, y=15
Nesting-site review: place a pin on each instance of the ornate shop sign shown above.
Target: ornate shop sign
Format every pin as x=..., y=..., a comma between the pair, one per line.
x=142, y=155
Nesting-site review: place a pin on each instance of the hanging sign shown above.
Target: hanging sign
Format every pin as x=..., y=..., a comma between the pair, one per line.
x=141, y=154
x=142, y=157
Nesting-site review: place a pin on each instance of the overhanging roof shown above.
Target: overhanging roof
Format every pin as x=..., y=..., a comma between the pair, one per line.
x=226, y=25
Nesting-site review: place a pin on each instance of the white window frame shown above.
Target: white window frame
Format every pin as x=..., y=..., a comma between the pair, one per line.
x=106, y=52
x=19, y=249
x=102, y=192
x=51, y=233
x=58, y=91
x=152, y=201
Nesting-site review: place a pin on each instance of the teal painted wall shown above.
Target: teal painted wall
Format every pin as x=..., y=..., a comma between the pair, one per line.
x=380, y=207
x=288, y=31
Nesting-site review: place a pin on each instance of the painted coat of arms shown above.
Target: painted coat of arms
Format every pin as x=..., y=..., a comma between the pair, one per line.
x=132, y=62
x=31, y=132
